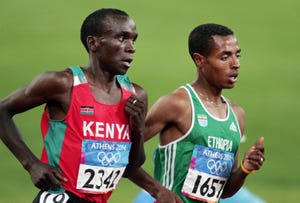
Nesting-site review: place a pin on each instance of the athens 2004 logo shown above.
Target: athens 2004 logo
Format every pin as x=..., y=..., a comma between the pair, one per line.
x=108, y=158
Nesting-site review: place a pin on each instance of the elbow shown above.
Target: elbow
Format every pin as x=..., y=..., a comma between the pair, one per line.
x=132, y=167
x=229, y=192
x=130, y=171
x=226, y=195
x=4, y=112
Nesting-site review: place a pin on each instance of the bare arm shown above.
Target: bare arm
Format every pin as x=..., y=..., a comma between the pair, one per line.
x=164, y=112
x=251, y=160
x=163, y=117
x=159, y=116
x=23, y=99
x=136, y=109
x=154, y=188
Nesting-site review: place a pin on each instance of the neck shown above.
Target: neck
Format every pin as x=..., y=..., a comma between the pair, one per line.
x=100, y=79
x=216, y=101
x=209, y=95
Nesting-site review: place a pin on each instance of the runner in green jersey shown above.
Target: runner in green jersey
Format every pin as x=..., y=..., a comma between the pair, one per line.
x=199, y=129
x=206, y=132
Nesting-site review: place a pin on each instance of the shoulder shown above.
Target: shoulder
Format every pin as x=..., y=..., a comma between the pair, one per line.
x=169, y=114
x=141, y=93
x=139, y=90
x=59, y=77
x=48, y=87
x=176, y=101
x=238, y=110
x=51, y=82
x=177, y=97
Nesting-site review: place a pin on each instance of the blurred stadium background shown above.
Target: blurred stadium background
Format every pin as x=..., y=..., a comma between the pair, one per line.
x=36, y=36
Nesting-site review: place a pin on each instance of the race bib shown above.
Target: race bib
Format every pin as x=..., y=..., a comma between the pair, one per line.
x=47, y=197
x=208, y=173
x=102, y=165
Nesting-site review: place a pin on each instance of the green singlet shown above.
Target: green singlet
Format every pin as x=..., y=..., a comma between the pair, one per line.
x=211, y=143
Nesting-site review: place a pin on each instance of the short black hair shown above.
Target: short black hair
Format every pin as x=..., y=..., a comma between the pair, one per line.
x=200, y=39
x=93, y=23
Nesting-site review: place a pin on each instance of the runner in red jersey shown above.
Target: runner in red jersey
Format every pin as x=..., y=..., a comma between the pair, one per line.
x=93, y=121
x=99, y=136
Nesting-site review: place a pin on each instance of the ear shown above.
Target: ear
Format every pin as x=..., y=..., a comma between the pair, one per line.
x=198, y=59
x=92, y=43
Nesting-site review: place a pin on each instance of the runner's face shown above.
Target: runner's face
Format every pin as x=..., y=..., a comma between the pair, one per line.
x=222, y=64
x=117, y=44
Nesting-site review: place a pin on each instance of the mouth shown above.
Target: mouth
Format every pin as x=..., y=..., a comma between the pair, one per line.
x=233, y=77
x=128, y=61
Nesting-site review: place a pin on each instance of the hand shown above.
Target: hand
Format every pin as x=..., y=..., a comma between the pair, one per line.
x=167, y=196
x=135, y=109
x=45, y=176
x=254, y=157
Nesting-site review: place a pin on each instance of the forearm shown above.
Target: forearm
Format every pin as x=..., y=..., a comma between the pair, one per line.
x=234, y=183
x=252, y=161
x=11, y=137
x=145, y=181
x=137, y=155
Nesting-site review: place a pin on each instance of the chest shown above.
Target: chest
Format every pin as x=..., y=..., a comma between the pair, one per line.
x=106, y=96
x=218, y=134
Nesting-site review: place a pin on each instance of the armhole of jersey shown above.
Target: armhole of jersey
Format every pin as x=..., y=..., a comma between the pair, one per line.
x=186, y=88
x=78, y=76
x=125, y=83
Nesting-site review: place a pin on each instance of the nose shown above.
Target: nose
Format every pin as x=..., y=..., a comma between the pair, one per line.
x=130, y=46
x=236, y=62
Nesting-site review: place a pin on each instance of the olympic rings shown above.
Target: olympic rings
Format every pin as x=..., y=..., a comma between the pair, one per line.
x=108, y=159
x=216, y=167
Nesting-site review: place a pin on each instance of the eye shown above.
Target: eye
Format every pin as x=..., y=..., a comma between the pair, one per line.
x=224, y=57
x=121, y=38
